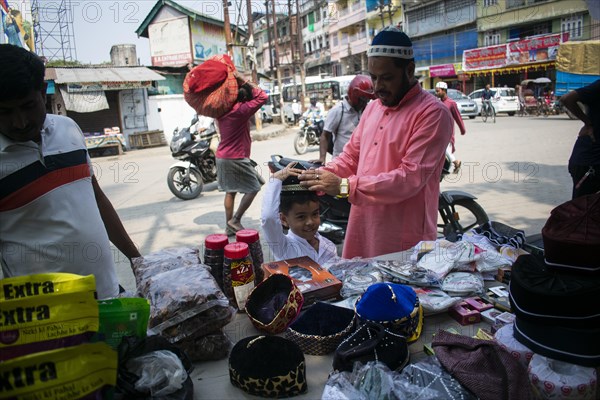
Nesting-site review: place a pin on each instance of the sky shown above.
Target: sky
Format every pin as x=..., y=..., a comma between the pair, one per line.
x=100, y=24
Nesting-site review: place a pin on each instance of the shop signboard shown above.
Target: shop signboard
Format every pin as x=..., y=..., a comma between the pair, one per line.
x=538, y=49
x=16, y=27
x=484, y=58
x=531, y=50
x=442, y=70
x=170, y=42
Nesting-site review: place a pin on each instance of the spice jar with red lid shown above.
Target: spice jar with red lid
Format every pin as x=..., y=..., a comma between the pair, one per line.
x=251, y=237
x=214, y=254
x=238, y=274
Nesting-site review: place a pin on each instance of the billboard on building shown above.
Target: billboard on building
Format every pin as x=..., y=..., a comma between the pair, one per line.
x=209, y=40
x=531, y=50
x=16, y=27
x=170, y=43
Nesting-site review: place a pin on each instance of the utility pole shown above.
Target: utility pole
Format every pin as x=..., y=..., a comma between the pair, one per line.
x=228, y=41
x=277, y=67
x=291, y=30
x=380, y=9
x=269, y=39
x=301, y=51
x=257, y=115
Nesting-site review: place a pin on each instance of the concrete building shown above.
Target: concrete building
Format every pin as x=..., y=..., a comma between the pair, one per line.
x=529, y=30
x=440, y=31
x=348, y=37
x=315, y=21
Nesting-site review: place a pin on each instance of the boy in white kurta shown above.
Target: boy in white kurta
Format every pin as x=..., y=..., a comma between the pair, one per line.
x=297, y=209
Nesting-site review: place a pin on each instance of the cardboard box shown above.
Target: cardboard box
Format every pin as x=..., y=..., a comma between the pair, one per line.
x=315, y=282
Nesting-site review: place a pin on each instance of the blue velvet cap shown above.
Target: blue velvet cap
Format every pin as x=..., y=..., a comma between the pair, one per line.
x=394, y=306
x=391, y=42
x=386, y=302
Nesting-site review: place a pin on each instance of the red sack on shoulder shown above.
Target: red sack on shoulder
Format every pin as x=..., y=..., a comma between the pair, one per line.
x=211, y=88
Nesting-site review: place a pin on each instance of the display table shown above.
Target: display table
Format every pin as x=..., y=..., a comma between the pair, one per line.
x=211, y=379
x=97, y=144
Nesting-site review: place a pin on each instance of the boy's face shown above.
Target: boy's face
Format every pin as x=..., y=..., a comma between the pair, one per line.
x=22, y=119
x=303, y=219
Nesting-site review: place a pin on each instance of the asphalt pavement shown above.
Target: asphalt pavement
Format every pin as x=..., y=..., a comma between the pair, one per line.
x=516, y=168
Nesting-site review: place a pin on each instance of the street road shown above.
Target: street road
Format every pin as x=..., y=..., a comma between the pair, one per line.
x=516, y=168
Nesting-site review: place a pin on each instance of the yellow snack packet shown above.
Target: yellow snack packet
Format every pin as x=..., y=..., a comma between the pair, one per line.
x=20, y=287
x=69, y=373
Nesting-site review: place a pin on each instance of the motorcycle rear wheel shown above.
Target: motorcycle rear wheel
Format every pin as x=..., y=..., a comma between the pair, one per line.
x=469, y=215
x=182, y=187
x=301, y=142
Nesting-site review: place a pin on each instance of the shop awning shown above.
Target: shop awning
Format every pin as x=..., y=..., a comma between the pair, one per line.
x=100, y=75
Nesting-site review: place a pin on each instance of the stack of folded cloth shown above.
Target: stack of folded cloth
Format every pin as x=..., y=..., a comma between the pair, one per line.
x=555, y=296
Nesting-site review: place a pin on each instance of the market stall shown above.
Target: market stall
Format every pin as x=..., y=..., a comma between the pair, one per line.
x=110, y=140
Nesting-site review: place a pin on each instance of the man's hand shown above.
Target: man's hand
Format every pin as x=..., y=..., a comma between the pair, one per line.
x=317, y=161
x=587, y=130
x=321, y=180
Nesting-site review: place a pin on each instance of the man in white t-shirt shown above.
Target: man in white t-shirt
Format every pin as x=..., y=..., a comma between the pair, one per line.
x=344, y=117
x=53, y=215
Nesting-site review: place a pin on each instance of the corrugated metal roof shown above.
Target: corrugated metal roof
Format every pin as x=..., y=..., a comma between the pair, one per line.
x=116, y=74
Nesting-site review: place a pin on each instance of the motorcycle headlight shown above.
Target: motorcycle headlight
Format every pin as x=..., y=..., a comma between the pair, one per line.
x=302, y=123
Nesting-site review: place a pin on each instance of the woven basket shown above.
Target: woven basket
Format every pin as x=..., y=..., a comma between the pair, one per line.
x=318, y=345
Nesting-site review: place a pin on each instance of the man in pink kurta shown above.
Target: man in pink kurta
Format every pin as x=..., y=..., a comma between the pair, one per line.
x=394, y=158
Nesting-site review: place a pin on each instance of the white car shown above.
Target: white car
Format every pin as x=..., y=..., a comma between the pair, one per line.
x=506, y=102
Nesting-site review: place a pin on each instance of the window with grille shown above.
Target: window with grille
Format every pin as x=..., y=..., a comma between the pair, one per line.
x=491, y=38
x=487, y=3
x=514, y=3
x=573, y=26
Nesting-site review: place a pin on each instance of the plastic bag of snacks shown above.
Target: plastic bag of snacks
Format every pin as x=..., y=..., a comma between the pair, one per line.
x=162, y=261
x=186, y=302
x=46, y=311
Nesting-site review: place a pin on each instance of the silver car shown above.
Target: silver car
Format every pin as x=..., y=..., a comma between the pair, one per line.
x=466, y=106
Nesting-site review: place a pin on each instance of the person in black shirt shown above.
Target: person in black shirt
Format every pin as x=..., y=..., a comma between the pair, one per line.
x=584, y=164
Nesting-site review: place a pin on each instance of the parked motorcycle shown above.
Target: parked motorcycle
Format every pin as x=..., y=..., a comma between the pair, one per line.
x=458, y=210
x=197, y=162
x=311, y=128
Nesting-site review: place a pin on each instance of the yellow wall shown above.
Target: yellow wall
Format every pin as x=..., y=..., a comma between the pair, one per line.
x=497, y=16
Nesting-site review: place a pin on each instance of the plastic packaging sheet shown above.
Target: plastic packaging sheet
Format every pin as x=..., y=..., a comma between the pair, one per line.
x=446, y=257
x=408, y=273
x=373, y=381
x=160, y=373
x=434, y=381
x=463, y=283
x=435, y=300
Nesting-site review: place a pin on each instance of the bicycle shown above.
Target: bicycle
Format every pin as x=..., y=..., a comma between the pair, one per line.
x=487, y=110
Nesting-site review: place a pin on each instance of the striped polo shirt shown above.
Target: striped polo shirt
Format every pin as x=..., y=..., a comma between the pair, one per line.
x=49, y=218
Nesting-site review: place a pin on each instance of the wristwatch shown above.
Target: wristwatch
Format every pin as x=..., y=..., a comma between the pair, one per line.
x=344, y=189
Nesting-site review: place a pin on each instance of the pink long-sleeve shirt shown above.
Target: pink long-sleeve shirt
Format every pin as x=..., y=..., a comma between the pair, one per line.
x=453, y=108
x=234, y=129
x=393, y=162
